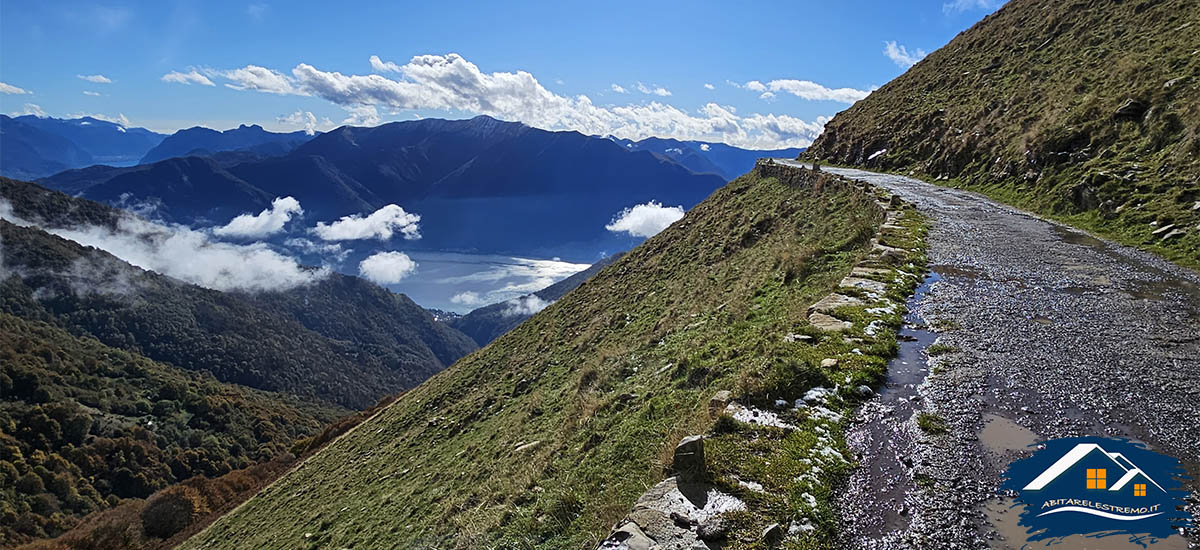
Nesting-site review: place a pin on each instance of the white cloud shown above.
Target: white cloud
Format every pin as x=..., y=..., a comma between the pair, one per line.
x=120, y=119
x=959, y=6
x=361, y=115
x=264, y=224
x=645, y=220
x=30, y=109
x=467, y=298
x=190, y=256
x=259, y=79
x=191, y=77
x=95, y=78
x=382, y=224
x=387, y=267
x=256, y=11
x=91, y=93
x=619, y=89
x=6, y=88
x=708, y=86
x=525, y=305
x=769, y=96
x=809, y=90
x=452, y=83
x=901, y=56
x=655, y=90
x=305, y=120
x=306, y=246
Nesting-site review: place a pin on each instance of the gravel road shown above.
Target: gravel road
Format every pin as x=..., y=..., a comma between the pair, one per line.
x=1054, y=333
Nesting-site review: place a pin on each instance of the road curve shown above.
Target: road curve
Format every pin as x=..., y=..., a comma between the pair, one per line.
x=1058, y=334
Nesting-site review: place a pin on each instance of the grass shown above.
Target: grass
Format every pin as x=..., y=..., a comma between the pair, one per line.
x=931, y=423
x=605, y=382
x=1023, y=108
x=940, y=349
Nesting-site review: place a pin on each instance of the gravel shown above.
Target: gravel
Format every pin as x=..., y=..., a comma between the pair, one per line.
x=1057, y=331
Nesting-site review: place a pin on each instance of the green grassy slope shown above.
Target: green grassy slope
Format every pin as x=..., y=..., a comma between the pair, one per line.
x=545, y=438
x=84, y=425
x=1086, y=111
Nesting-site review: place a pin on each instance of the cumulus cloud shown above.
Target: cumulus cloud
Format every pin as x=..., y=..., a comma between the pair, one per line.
x=264, y=224
x=30, y=109
x=653, y=90
x=191, y=256
x=467, y=298
x=708, y=86
x=452, y=83
x=619, y=89
x=306, y=246
x=387, y=267
x=120, y=119
x=381, y=224
x=362, y=115
x=306, y=121
x=960, y=6
x=806, y=89
x=95, y=78
x=901, y=56
x=525, y=305
x=645, y=220
x=191, y=77
x=6, y=88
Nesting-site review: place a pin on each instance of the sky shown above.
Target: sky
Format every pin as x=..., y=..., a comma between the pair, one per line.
x=765, y=76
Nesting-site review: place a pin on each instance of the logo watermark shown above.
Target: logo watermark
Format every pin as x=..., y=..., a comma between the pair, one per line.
x=1098, y=487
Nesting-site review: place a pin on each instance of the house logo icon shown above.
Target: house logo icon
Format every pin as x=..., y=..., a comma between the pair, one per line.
x=1099, y=487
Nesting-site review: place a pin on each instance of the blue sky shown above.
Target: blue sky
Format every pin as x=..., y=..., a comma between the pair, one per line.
x=775, y=70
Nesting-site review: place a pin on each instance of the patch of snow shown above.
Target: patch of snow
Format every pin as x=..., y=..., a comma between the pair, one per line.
x=873, y=328
x=755, y=416
x=876, y=154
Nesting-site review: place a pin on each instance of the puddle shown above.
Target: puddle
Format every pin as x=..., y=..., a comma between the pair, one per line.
x=883, y=443
x=1002, y=436
x=1078, y=237
x=1043, y=320
x=1008, y=534
x=955, y=271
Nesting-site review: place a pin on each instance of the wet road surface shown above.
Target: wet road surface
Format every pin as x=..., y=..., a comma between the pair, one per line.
x=1051, y=333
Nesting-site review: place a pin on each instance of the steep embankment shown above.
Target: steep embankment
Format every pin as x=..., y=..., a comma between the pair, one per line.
x=1082, y=110
x=546, y=437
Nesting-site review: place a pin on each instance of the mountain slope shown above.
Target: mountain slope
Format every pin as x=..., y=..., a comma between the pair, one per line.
x=707, y=158
x=1082, y=110
x=200, y=141
x=338, y=338
x=491, y=321
x=83, y=425
x=34, y=147
x=544, y=438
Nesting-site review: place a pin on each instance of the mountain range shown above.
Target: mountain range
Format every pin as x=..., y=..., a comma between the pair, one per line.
x=33, y=147
x=200, y=141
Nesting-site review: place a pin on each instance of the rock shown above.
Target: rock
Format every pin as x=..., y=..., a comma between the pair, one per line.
x=773, y=534
x=864, y=391
x=832, y=302
x=1163, y=229
x=1131, y=109
x=688, y=462
x=829, y=363
x=713, y=530
x=1174, y=233
x=870, y=271
x=627, y=537
x=791, y=337
x=869, y=285
x=894, y=202
x=718, y=402
x=828, y=323
x=1196, y=206
x=527, y=446
x=1083, y=196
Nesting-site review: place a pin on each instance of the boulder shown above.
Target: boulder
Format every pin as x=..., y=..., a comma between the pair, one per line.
x=828, y=323
x=829, y=363
x=1131, y=109
x=772, y=535
x=627, y=537
x=718, y=402
x=832, y=302
x=688, y=462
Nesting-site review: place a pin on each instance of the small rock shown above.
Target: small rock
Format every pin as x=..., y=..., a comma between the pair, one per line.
x=719, y=401
x=527, y=446
x=829, y=363
x=1163, y=229
x=713, y=529
x=864, y=391
x=628, y=537
x=773, y=534
x=688, y=462
x=1131, y=109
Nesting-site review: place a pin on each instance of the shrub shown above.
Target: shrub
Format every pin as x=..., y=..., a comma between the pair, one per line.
x=172, y=510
